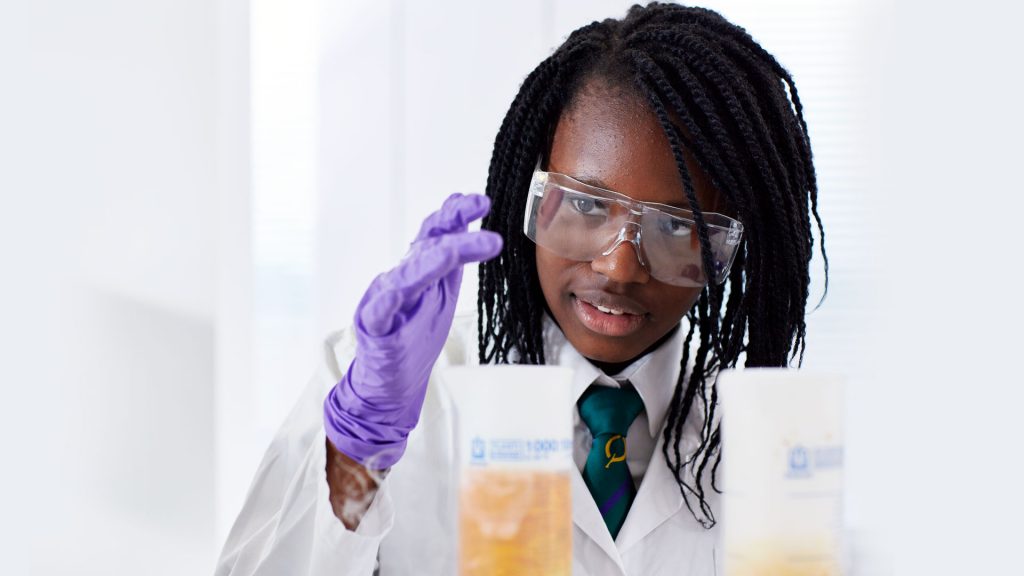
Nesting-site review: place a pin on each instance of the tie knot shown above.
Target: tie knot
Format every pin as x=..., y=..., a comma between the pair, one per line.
x=609, y=410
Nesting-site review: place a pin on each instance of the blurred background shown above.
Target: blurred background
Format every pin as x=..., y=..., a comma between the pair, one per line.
x=195, y=192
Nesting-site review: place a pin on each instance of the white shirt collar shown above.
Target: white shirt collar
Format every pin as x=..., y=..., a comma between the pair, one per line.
x=654, y=375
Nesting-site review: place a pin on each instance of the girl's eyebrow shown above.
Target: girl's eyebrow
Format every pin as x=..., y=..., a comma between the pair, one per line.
x=592, y=181
x=598, y=183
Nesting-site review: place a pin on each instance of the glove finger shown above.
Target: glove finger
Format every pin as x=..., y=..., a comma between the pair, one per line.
x=473, y=246
x=432, y=224
x=433, y=260
x=470, y=247
x=455, y=215
x=438, y=257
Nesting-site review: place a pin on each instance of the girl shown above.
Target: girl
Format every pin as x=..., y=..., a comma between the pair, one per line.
x=648, y=222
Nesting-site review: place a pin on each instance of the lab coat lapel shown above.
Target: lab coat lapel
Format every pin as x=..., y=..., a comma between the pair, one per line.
x=657, y=500
x=588, y=518
x=585, y=513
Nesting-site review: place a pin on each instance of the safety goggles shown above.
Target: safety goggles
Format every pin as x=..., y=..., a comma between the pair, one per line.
x=582, y=222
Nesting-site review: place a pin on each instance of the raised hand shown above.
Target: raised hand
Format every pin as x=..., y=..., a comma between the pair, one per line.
x=401, y=326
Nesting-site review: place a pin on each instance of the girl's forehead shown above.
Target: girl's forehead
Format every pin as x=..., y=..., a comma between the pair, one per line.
x=617, y=143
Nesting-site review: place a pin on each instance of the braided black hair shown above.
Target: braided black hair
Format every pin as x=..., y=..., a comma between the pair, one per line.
x=720, y=96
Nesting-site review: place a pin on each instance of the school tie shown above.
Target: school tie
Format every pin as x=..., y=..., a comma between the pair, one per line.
x=608, y=412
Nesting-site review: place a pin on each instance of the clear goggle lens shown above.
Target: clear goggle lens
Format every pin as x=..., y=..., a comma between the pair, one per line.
x=582, y=222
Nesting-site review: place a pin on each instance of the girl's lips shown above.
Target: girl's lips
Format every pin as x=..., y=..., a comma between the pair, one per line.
x=603, y=323
x=617, y=302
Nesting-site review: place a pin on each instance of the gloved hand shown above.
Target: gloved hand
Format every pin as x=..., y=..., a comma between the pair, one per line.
x=401, y=325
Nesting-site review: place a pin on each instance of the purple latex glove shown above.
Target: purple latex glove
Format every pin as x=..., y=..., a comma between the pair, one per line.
x=401, y=326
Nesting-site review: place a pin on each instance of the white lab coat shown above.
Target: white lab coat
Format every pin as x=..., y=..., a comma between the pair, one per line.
x=287, y=525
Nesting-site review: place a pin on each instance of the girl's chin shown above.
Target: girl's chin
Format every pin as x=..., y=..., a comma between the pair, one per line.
x=603, y=350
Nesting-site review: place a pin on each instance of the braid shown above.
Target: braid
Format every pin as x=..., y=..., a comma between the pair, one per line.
x=510, y=304
x=720, y=97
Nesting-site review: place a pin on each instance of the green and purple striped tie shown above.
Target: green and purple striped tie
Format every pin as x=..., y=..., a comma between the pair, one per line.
x=608, y=412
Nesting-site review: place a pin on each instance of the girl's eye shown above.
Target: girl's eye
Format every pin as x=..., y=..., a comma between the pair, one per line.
x=588, y=206
x=674, y=227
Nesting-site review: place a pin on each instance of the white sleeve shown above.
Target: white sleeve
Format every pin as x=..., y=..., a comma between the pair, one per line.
x=287, y=525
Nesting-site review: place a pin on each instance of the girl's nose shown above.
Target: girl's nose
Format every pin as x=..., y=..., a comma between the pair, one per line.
x=622, y=265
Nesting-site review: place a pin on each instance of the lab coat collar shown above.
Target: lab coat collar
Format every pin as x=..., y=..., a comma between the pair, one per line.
x=654, y=376
x=659, y=497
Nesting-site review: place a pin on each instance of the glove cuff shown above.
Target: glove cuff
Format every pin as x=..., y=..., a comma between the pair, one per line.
x=359, y=432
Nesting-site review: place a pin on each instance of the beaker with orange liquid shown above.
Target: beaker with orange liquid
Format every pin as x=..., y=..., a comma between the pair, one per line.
x=514, y=451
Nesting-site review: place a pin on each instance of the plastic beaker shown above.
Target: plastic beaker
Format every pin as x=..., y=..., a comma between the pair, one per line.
x=513, y=433
x=782, y=462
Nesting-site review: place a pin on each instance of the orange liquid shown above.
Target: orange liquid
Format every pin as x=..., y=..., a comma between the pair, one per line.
x=515, y=522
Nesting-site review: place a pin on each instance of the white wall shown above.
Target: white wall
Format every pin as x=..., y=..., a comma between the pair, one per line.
x=948, y=354
x=107, y=175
